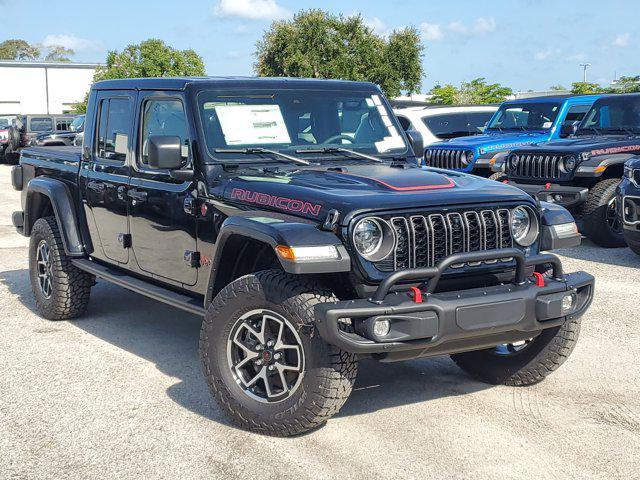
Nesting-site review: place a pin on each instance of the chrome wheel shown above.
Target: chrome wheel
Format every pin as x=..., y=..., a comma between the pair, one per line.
x=511, y=348
x=43, y=263
x=265, y=356
x=613, y=221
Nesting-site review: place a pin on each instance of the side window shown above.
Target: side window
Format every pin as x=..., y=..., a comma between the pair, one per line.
x=576, y=113
x=38, y=124
x=163, y=117
x=113, y=129
x=63, y=123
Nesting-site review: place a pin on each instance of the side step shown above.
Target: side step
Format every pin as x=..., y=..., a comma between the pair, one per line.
x=150, y=290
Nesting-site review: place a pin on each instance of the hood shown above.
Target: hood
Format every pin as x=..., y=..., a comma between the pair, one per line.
x=494, y=141
x=312, y=193
x=589, y=145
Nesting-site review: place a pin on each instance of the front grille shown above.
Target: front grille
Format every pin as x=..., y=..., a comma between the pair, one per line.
x=447, y=158
x=536, y=166
x=425, y=240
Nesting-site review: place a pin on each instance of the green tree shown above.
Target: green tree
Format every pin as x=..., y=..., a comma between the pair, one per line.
x=557, y=88
x=16, y=49
x=318, y=44
x=477, y=91
x=627, y=85
x=586, y=88
x=58, y=53
x=151, y=58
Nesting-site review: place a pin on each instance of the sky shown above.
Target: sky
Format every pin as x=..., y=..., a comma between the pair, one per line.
x=523, y=44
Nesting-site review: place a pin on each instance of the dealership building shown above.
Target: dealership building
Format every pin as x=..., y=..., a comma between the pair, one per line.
x=32, y=87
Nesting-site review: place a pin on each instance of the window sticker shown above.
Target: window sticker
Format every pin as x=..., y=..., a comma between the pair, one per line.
x=369, y=102
x=376, y=99
x=547, y=124
x=252, y=124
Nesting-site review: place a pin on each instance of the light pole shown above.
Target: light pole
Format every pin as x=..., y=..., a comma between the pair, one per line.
x=584, y=71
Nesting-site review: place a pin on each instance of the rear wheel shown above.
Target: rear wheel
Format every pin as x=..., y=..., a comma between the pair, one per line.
x=599, y=215
x=522, y=363
x=60, y=289
x=265, y=363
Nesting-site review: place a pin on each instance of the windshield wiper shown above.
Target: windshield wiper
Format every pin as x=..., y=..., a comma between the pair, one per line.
x=626, y=130
x=586, y=129
x=257, y=150
x=340, y=150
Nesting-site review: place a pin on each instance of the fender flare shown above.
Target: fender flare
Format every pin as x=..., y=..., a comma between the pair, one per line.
x=63, y=208
x=596, y=166
x=281, y=233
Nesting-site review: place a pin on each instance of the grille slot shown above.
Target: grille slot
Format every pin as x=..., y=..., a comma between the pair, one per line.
x=450, y=159
x=425, y=240
x=538, y=166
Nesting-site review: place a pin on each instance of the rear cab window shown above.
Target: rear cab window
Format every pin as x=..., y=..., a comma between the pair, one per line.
x=41, y=124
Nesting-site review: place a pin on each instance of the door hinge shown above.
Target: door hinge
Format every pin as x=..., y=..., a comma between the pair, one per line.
x=125, y=240
x=192, y=258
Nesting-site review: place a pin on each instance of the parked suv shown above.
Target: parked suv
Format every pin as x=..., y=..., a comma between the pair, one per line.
x=582, y=172
x=61, y=137
x=629, y=204
x=27, y=127
x=515, y=124
x=436, y=123
x=292, y=215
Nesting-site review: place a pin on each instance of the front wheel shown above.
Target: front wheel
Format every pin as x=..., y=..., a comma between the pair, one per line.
x=266, y=365
x=600, y=217
x=522, y=363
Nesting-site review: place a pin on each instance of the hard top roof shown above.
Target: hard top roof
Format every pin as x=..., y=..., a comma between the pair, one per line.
x=180, y=83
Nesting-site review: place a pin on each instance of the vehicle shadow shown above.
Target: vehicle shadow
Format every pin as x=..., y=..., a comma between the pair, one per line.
x=589, y=251
x=168, y=337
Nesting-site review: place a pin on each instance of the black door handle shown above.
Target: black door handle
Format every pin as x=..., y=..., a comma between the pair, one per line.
x=137, y=195
x=96, y=186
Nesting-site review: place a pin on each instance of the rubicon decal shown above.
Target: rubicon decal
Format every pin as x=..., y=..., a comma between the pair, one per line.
x=283, y=203
x=611, y=150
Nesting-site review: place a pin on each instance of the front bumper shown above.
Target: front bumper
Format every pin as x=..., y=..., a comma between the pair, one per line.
x=451, y=322
x=564, y=195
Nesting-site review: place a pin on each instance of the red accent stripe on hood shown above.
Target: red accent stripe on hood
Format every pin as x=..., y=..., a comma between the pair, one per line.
x=414, y=188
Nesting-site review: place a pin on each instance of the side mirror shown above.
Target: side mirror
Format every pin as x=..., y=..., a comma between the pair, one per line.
x=568, y=129
x=416, y=142
x=165, y=152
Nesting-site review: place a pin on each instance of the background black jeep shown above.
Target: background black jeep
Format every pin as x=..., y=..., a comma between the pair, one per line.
x=582, y=172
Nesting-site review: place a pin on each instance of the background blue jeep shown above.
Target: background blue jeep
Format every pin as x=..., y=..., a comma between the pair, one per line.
x=516, y=123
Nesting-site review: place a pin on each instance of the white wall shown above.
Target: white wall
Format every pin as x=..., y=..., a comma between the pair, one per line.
x=23, y=86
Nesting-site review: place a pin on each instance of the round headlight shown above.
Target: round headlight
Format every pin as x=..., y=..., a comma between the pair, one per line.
x=524, y=226
x=467, y=157
x=569, y=164
x=373, y=239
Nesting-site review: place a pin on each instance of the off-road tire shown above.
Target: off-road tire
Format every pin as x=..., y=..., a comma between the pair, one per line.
x=329, y=373
x=498, y=177
x=531, y=365
x=635, y=247
x=70, y=286
x=594, y=215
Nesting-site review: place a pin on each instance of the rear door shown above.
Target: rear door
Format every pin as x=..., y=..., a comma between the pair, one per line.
x=163, y=230
x=107, y=174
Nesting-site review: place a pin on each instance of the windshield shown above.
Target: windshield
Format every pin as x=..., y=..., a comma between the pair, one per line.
x=617, y=115
x=294, y=120
x=525, y=116
x=77, y=124
x=5, y=121
x=460, y=124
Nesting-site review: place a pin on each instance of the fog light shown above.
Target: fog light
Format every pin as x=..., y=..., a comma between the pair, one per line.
x=381, y=328
x=567, y=303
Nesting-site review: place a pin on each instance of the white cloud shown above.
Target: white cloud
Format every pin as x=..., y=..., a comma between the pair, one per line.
x=546, y=54
x=622, y=40
x=251, y=9
x=431, y=31
x=71, y=41
x=578, y=57
x=480, y=26
x=377, y=25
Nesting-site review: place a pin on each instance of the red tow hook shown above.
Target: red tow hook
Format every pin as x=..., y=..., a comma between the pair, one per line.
x=539, y=279
x=547, y=186
x=417, y=295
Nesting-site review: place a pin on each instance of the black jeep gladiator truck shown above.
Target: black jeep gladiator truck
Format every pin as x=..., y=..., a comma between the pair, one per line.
x=629, y=204
x=581, y=173
x=293, y=216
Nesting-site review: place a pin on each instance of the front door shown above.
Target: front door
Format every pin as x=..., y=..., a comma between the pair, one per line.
x=106, y=174
x=163, y=232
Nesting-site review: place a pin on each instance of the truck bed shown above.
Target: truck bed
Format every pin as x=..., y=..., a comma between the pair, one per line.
x=53, y=154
